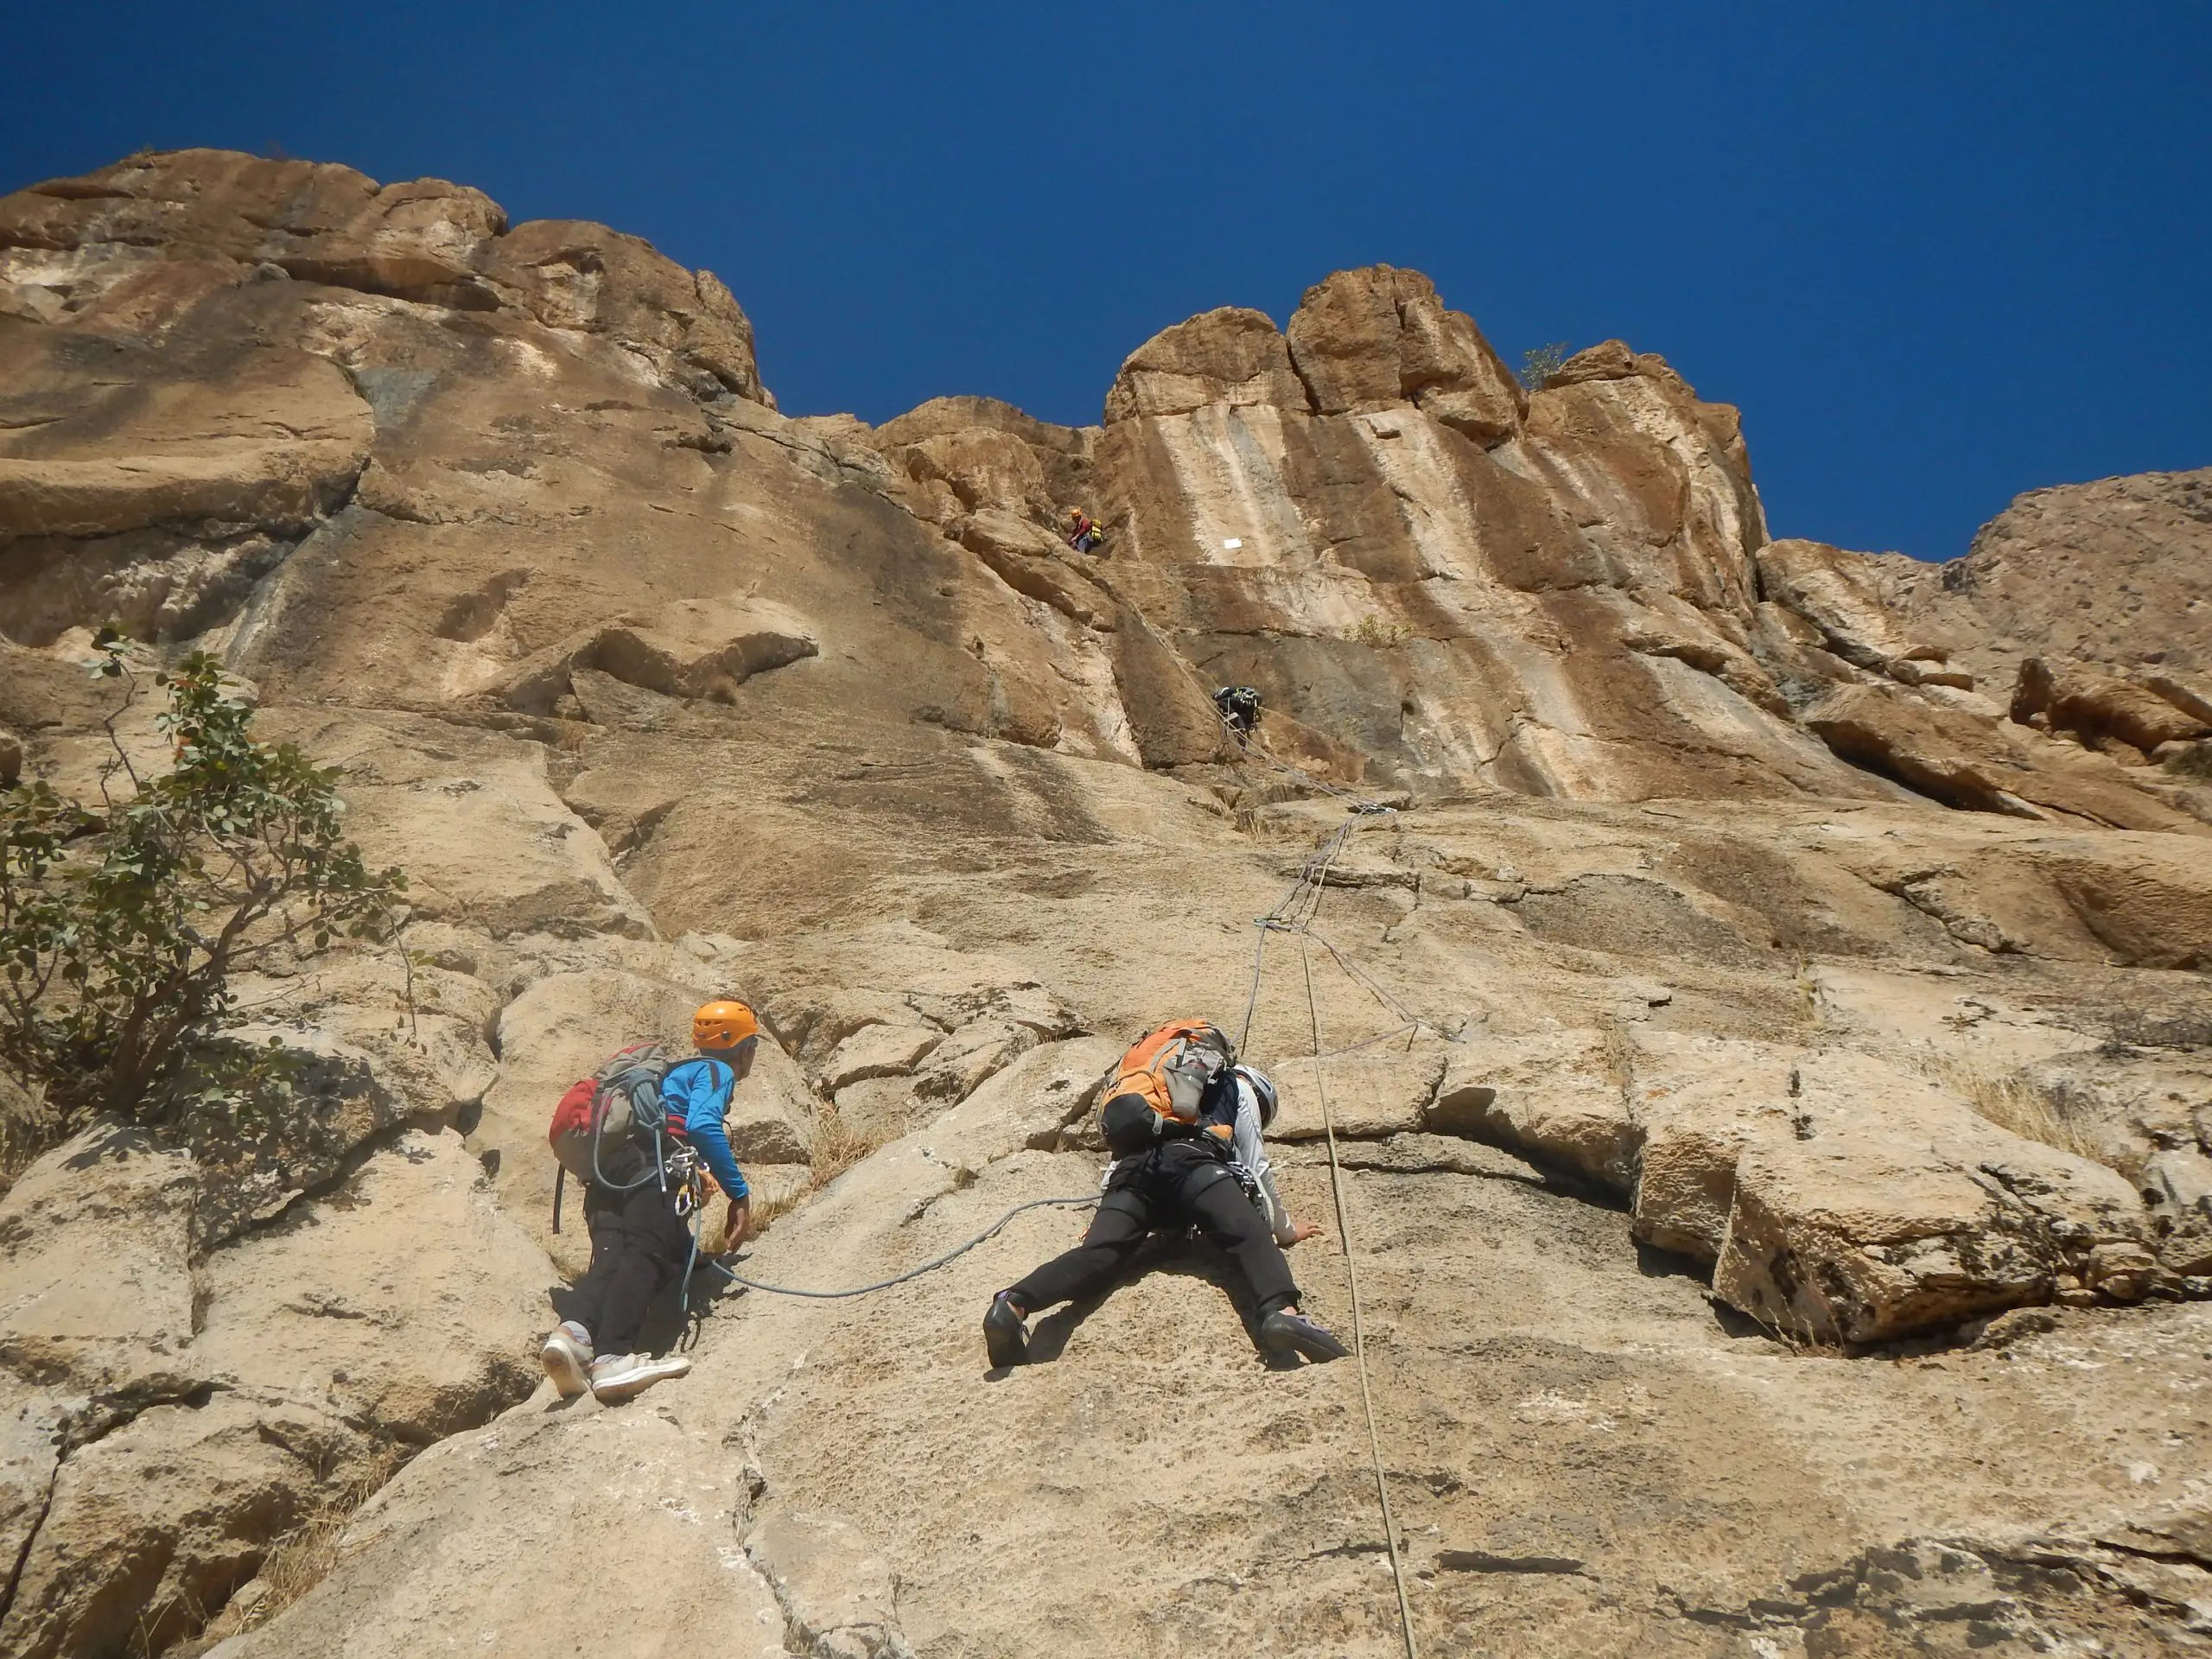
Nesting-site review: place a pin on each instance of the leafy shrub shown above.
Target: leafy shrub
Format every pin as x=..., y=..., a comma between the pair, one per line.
x=1540, y=364
x=121, y=928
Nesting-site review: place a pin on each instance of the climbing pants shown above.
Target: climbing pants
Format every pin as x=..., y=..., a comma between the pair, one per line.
x=637, y=1244
x=1179, y=1185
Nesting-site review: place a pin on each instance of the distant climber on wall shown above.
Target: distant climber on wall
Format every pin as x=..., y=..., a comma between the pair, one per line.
x=1184, y=1123
x=1083, y=531
x=1239, y=709
x=642, y=1134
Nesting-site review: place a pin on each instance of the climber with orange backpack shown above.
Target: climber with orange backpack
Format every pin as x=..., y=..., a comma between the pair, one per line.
x=1184, y=1121
x=641, y=1135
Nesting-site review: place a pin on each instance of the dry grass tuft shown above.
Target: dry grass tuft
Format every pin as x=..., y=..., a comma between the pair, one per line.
x=2015, y=1102
x=305, y=1557
x=1380, y=634
x=835, y=1145
x=767, y=1206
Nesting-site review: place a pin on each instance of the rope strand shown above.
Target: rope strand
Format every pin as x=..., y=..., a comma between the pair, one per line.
x=1358, y=1325
x=992, y=1231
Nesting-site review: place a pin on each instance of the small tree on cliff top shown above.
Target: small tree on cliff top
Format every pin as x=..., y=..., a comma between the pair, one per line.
x=1538, y=364
x=120, y=929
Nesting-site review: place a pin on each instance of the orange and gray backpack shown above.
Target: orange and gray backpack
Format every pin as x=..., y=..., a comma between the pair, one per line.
x=1158, y=1088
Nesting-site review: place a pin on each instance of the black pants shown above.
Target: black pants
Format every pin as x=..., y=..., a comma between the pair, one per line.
x=637, y=1244
x=1176, y=1186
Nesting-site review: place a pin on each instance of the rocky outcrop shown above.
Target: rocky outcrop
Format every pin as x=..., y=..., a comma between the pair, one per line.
x=1370, y=338
x=128, y=249
x=1233, y=356
x=1854, y=601
x=2103, y=572
x=1965, y=757
x=2101, y=710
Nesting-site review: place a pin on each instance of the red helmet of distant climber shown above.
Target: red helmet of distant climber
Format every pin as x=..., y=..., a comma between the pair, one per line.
x=723, y=1025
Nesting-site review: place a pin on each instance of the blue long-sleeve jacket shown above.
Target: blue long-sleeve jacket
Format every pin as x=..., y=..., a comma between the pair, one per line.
x=696, y=1095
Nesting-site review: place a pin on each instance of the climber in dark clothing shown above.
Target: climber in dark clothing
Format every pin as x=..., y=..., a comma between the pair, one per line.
x=1181, y=1183
x=1239, y=709
x=1219, y=1184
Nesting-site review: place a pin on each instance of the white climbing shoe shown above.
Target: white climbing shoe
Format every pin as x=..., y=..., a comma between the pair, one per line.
x=567, y=1358
x=620, y=1376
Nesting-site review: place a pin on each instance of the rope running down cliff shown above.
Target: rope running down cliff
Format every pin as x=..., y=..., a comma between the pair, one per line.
x=1294, y=913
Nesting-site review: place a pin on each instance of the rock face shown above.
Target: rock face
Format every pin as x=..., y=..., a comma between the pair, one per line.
x=172, y=1418
x=1759, y=999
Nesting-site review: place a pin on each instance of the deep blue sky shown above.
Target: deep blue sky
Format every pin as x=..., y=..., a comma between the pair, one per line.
x=1940, y=253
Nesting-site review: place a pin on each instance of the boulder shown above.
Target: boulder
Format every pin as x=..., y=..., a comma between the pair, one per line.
x=408, y=1307
x=878, y=1052
x=170, y=1417
x=1697, y=1103
x=152, y=1527
x=1966, y=759
x=1852, y=599
x=1551, y=1094
x=2193, y=697
x=1890, y=1206
x=96, y=1241
x=1611, y=359
x=772, y=1117
x=474, y=821
x=488, y=1522
x=2070, y=697
x=1373, y=1093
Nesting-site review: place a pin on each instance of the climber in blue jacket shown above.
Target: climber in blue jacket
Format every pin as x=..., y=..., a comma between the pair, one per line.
x=640, y=1236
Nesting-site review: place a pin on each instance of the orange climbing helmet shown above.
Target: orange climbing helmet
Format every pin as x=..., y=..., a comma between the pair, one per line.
x=723, y=1024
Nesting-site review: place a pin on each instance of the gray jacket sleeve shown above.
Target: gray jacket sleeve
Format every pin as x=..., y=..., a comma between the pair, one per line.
x=1246, y=1148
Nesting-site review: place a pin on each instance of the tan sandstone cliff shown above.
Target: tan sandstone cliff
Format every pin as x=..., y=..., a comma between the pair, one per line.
x=1786, y=1232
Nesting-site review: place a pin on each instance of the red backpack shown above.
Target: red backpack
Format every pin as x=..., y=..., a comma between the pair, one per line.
x=609, y=1128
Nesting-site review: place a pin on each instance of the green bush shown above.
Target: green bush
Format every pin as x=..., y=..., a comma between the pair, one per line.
x=1540, y=364
x=121, y=927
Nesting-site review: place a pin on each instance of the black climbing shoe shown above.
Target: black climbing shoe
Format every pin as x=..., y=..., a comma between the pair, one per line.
x=1286, y=1332
x=1004, y=1334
